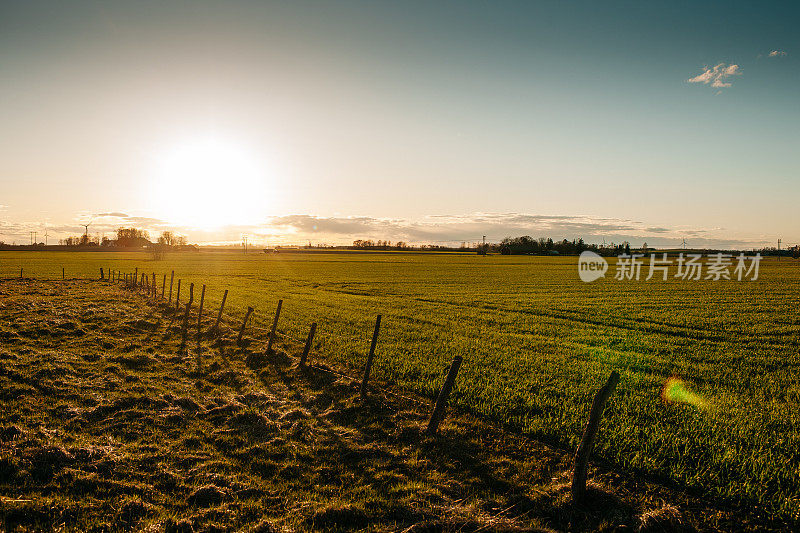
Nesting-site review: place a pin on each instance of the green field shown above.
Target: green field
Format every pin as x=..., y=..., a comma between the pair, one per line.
x=537, y=343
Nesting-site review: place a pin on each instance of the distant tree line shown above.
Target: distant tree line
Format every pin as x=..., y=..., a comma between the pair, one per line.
x=790, y=251
x=129, y=238
x=546, y=246
x=379, y=245
x=525, y=245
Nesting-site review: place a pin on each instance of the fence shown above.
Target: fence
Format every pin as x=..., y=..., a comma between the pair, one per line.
x=146, y=284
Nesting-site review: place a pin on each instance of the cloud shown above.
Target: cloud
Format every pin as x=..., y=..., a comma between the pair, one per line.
x=777, y=53
x=100, y=224
x=717, y=75
x=454, y=229
x=434, y=229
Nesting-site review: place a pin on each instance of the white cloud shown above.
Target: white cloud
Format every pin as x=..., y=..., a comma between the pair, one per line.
x=454, y=229
x=716, y=76
x=433, y=229
x=777, y=53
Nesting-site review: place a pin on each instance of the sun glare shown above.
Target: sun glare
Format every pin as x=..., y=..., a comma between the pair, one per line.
x=211, y=182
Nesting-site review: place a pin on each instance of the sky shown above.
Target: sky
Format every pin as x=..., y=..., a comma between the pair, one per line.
x=435, y=122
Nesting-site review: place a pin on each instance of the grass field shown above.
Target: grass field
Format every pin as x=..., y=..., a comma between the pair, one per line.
x=537, y=343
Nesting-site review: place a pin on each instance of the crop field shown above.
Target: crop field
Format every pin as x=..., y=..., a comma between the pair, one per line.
x=537, y=343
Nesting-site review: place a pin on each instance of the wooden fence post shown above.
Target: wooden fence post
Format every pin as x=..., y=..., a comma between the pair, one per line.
x=200, y=315
x=171, y=277
x=163, y=286
x=20, y=272
x=441, y=400
x=587, y=441
x=178, y=295
x=185, y=326
x=215, y=329
x=191, y=293
x=370, y=357
x=154, y=288
x=62, y=273
x=274, y=326
x=101, y=273
x=309, y=341
x=136, y=276
x=244, y=323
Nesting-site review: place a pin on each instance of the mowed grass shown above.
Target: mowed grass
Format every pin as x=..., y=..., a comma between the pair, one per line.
x=537, y=343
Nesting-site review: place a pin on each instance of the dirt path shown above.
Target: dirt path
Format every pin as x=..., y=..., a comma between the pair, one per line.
x=105, y=425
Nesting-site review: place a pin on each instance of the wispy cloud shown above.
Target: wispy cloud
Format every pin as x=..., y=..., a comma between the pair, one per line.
x=777, y=53
x=433, y=229
x=717, y=76
x=453, y=229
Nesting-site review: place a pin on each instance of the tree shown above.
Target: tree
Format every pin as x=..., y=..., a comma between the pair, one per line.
x=132, y=238
x=167, y=238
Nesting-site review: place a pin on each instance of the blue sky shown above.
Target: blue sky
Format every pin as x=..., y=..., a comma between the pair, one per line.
x=374, y=117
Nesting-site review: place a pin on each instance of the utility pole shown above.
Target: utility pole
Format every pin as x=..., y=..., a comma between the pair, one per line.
x=779, y=249
x=45, y=237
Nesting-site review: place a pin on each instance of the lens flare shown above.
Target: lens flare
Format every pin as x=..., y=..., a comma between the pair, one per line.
x=675, y=391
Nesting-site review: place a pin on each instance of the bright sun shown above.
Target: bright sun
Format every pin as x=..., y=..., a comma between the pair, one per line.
x=208, y=183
